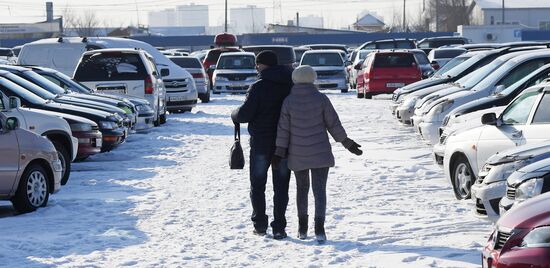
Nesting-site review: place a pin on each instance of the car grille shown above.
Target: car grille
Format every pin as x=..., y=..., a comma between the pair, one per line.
x=501, y=239
x=328, y=85
x=237, y=88
x=480, y=208
x=328, y=73
x=175, y=83
x=94, y=128
x=485, y=170
x=442, y=138
x=511, y=193
x=237, y=77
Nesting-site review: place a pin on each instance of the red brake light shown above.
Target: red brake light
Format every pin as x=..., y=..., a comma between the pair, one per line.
x=197, y=75
x=148, y=85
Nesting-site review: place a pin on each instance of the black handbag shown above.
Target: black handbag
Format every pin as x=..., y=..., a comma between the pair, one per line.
x=236, y=155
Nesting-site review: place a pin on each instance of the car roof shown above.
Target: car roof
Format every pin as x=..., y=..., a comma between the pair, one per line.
x=318, y=51
x=125, y=50
x=237, y=54
x=448, y=37
x=184, y=57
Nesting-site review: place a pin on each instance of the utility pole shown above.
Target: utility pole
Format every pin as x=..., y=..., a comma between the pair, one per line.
x=436, y=15
x=297, y=21
x=225, y=16
x=503, y=12
x=404, y=14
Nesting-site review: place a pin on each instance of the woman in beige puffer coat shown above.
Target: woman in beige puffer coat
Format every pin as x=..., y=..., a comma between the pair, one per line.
x=306, y=116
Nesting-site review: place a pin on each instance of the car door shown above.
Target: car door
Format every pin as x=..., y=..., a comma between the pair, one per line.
x=509, y=134
x=9, y=158
x=539, y=128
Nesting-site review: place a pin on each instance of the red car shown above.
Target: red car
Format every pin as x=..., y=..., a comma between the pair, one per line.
x=386, y=71
x=521, y=237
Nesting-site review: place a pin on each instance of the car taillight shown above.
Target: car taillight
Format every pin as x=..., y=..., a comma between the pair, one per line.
x=148, y=85
x=198, y=75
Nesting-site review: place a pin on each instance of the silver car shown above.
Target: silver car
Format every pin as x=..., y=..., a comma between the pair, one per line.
x=29, y=167
x=234, y=72
x=195, y=68
x=330, y=68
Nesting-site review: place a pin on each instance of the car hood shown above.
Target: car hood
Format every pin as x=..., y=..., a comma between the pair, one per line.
x=70, y=99
x=532, y=213
x=471, y=135
x=470, y=120
x=77, y=110
x=458, y=98
x=69, y=117
x=432, y=81
x=476, y=105
x=540, y=166
x=432, y=93
x=519, y=153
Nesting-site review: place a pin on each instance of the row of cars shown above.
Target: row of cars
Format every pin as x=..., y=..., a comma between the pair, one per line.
x=69, y=98
x=487, y=114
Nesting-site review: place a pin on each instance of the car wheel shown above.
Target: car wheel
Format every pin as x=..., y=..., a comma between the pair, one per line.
x=163, y=118
x=65, y=159
x=462, y=178
x=206, y=97
x=32, y=191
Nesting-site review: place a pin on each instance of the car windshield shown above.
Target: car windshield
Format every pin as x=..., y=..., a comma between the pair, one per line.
x=461, y=64
x=43, y=82
x=20, y=92
x=110, y=66
x=322, y=59
x=421, y=57
x=30, y=86
x=543, y=70
x=190, y=62
x=394, y=60
x=363, y=54
x=509, y=73
x=73, y=85
x=236, y=62
x=473, y=78
x=447, y=53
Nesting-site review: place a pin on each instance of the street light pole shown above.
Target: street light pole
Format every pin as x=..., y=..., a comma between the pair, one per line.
x=225, y=16
x=404, y=13
x=503, y=12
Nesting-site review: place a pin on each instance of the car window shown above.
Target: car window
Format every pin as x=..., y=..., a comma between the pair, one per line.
x=446, y=69
x=30, y=86
x=481, y=75
x=187, y=62
x=424, y=45
x=542, y=115
x=322, y=59
x=11, y=89
x=528, y=81
x=2, y=107
x=236, y=62
x=53, y=80
x=421, y=58
x=395, y=60
x=517, y=113
x=521, y=71
x=370, y=46
x=110, y=66
x=447, y=53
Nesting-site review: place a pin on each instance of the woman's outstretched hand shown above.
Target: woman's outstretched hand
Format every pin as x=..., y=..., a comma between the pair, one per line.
x=352, y=146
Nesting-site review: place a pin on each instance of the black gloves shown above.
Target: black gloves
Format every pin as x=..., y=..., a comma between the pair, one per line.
x=352, y=146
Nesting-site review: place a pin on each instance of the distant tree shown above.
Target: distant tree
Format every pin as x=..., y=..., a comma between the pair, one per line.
x=84, y=25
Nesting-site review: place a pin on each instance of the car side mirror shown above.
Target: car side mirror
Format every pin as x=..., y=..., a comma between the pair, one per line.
x=12, y=123
x=15, y=103
x=164, y=72
x=358, y=66
x=489, y=119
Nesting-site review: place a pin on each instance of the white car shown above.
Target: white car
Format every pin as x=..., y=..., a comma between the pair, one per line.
x=509, y=73
x=526, y=120
x=234, y=72
x=195, y=68
x=358, y=61
x=491, y=185
x=441, y=56
x=330, y=68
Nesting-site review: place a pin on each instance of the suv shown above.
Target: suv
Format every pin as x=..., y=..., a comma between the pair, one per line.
x=194, y=67
x=400, y=43
x=234, y=73
x=57, y=130
x=29, y=168
x=385, y=71
x=526, y=120
x=330, y=68
x=122, y=71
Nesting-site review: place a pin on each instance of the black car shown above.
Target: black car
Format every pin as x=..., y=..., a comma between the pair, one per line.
x=42, y=86
x=110, y=124
x=427, y=44
x=285, y=54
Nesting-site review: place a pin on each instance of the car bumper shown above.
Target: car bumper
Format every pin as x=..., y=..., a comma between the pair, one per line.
x=89, y=143
x=404, y=114
x=415, y=120
x=145, y=122
x=439, y=153
x=393, y=108
x=328, y=84
x=181, y=100
x=487, y=198
x=517, y=257
x=430, y=131
x=505, y=204
x=231, y=86
x=113, y=138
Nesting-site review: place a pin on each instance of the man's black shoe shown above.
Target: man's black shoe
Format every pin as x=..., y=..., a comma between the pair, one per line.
x=279, y=235
x=259, y=232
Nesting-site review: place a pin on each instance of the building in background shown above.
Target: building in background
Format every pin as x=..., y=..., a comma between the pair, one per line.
x=311, y=21
x=369, y=23
x=163, y=18
x=534, y=14
x=183, y=20
x=249, y=19
x=192, y=15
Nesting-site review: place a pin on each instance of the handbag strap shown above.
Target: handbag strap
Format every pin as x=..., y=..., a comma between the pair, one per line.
x=237, y=132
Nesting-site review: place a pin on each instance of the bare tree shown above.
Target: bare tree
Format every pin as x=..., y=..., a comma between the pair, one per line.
x=84, y=25
x=449, y=13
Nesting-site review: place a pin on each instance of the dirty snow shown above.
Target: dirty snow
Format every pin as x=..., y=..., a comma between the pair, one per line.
x=167, y=199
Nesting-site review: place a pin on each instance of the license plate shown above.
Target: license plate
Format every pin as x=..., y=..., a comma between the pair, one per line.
x=177, y=98
x=395, y=85
x=98, y=143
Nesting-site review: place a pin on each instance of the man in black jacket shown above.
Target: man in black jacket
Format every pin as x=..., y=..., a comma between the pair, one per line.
x=261, y=111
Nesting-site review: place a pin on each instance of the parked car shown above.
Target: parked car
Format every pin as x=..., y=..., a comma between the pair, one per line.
x=527, y=182
x=490, y=187
x=398, y=43
x=123, y=71
x=355, y=67
x=234, y=72
x=385, y=71
x=507, y=74
x=440, y=56
x=427, y=44
x=199, y=54
x=330, y=68
x=7, y=55
x=56, y=129
x=521, y=237
x=423, y=62
x=526, y=120
x=339, y=47
x=212, y=57
x=194, y=67
x=299, y=51
x=136, y=107
x=111, y=125
x=29, y=168
x=285, y=54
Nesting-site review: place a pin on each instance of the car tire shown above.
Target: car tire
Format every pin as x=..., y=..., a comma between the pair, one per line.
x=206, y=97
x=462, y=177
x=368, y=96
x=34, y=178
x=163, y=118
x=65, y=159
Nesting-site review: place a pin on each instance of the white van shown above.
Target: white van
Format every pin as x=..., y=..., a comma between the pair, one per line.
x=64, y=53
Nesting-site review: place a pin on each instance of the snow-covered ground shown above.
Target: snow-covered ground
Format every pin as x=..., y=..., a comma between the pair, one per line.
x=168, y=199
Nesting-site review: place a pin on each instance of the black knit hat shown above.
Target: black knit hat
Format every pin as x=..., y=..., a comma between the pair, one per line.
x=267, y=57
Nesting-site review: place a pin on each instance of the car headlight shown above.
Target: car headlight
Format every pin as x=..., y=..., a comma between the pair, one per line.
x=80, y=127
x=529, y=188
x=107, y=125
x=441, y=107
x=537, y=238
x=499, y=172
x=410, y=102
